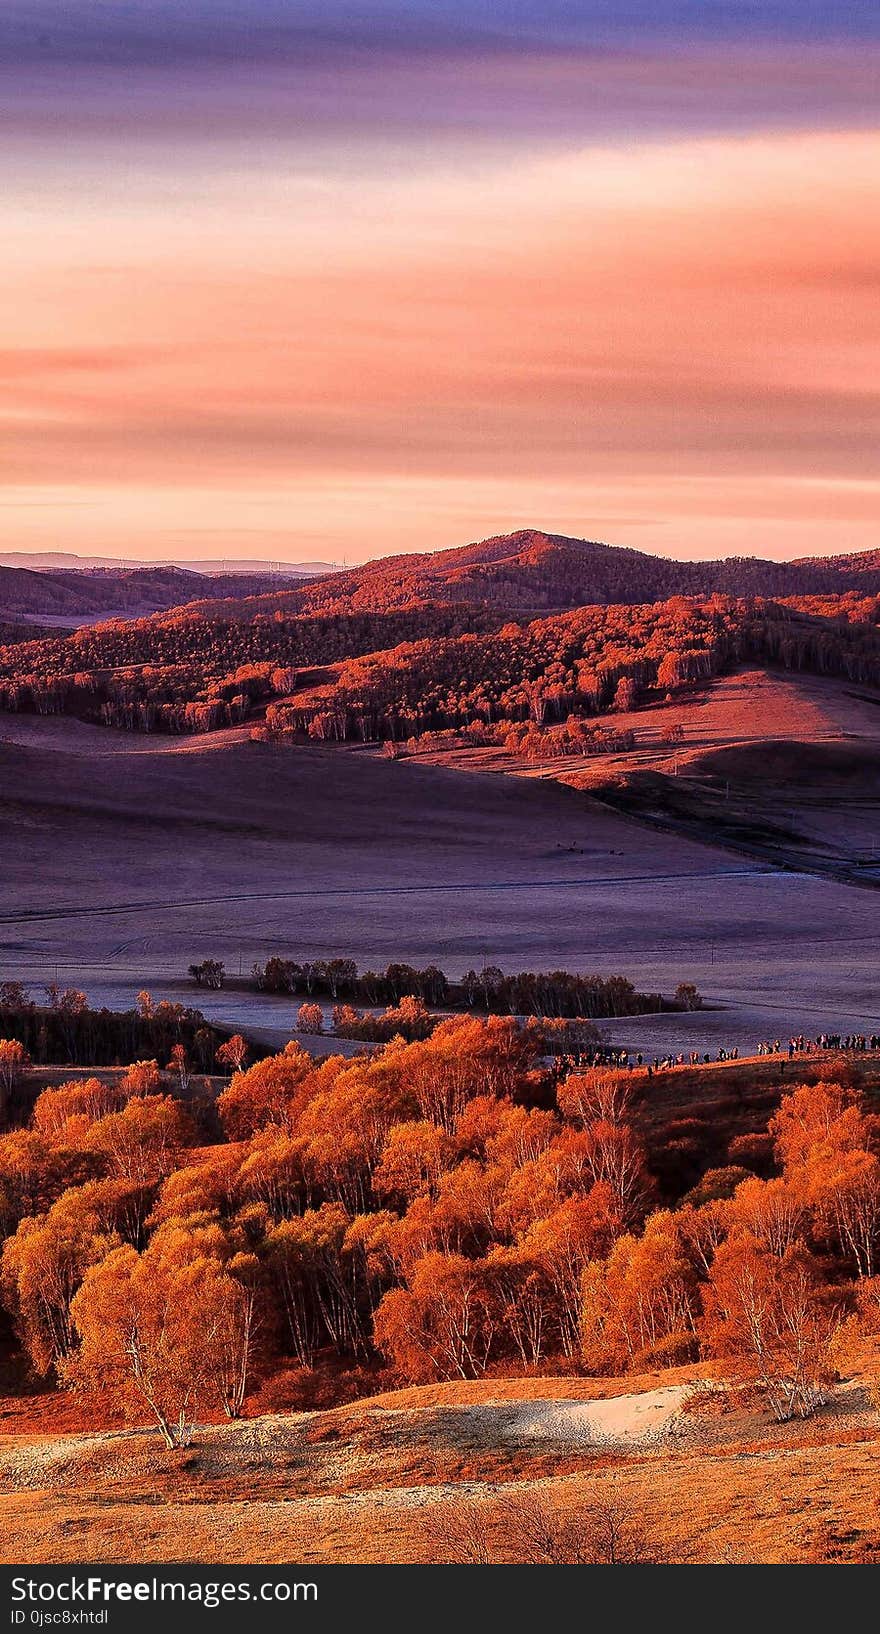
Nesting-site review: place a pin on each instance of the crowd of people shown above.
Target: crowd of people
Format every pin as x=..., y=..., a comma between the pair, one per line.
x=627, y=1061
x=799, y=1045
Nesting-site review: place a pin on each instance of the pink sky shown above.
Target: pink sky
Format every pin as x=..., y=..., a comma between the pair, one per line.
x=278, y=342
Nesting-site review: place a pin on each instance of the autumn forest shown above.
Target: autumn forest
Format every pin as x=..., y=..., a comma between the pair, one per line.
x=444, y=1209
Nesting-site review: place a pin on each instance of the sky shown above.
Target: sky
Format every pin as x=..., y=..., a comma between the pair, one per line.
x=330, y=281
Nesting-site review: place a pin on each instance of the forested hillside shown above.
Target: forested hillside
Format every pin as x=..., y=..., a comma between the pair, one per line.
x=189, y=671
x=395, y=674
x=579, y=664
x=531, y=571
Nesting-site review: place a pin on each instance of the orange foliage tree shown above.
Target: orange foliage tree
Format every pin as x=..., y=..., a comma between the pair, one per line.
x=13, y=1060
x=319, y=1267
x=142, y=1143
x=826, y=1142
x=169, y=1330
x=267, y=1093
x=766, y=1316
x=44, y=1263
x=73, y=1107
x=233, y=1053
x=640, y=1304
x=440, y=1325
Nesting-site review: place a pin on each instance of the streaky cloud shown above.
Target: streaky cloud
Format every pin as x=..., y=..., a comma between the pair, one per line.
x=166, y=32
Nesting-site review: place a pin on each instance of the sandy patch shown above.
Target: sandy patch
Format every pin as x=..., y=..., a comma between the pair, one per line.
x=619, y=1421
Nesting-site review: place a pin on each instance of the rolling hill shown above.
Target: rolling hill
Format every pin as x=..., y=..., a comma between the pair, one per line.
x=78, y=595
x=532, y=571
x=57, y=561
x=860, y=562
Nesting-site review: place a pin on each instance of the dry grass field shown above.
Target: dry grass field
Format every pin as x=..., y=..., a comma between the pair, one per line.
x=707, y=1477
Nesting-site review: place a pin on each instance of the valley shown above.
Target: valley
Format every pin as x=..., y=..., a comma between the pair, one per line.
x=126, y=859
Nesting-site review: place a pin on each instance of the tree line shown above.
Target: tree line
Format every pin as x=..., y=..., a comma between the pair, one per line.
x=529, y=993
x=410, y=1019
x=574, y=736
x=66, y=1028
x=193, y=671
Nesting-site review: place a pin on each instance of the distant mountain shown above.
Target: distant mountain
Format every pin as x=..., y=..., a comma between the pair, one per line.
x=531, y=572
x=42, y=561
x=79, y=595
x=284, y=570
